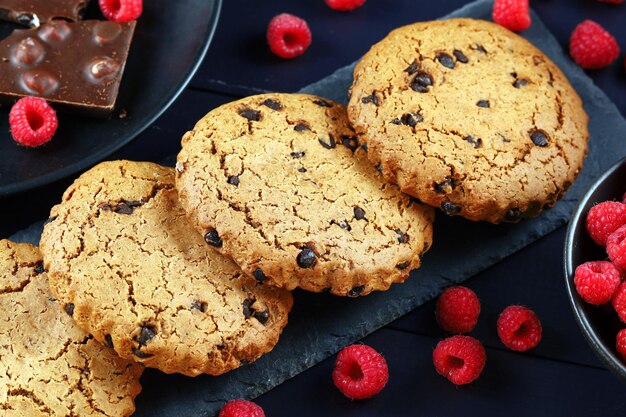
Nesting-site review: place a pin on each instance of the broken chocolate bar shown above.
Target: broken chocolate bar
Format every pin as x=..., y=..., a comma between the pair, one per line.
x=76, y=66
x=34, y=13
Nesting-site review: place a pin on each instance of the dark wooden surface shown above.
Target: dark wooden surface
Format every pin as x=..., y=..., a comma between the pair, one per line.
x=560, y=377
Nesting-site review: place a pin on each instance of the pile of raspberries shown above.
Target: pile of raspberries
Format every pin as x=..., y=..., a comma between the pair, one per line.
x=600, y=282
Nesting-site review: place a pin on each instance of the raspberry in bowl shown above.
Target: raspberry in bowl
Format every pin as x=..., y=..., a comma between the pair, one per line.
x=595, y=247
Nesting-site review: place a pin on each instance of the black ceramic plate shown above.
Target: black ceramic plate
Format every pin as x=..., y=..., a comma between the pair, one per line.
x=170, y=41
x=599, y=324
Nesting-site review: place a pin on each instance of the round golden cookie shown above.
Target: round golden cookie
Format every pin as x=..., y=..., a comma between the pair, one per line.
x=124, y=258
x=469, y=117
x=48, y=365
x=280, y=183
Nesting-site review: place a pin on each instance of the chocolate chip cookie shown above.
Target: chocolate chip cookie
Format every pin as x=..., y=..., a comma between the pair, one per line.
x=131, y=269
x=281, y=184
x=469, y=117
x=48, y=365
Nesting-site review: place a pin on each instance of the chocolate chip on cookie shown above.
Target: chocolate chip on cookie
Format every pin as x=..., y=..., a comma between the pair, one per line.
x=402, y=237
x=259, y=275
x=322, y=102
x=450, y=209
x=350, y=142
x=251, y=115
x=460, y=56
x=411, y=119
x=445, y=60
x=69, y=309
x=359, y=213
x=343, y=224
x=328, y=143
x=372, y=98
x=412, y=68
x=421, y=82
x=301, y=127
x=356, y=291
x=403, y=265
x=213, y=238
x=475, y=142
x=272, y=104
x=201, y=306
x=444, y=187
x=306, y=258
x=539, y=138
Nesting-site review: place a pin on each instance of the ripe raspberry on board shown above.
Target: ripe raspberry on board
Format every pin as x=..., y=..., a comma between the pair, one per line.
x=33, y=122
x=457, y=310
x=460, y=359
x=360, y=372
x=519, y=328
x=241, y=408
x=619, y=302
x=616, y=247
x=605, y=218
x=512, y=14
x=121, y=10
x=596, y=282
x=592, y=47
x=288, y=36
x=344, y=5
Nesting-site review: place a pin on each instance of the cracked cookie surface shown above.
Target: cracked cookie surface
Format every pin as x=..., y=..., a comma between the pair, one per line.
x=124, y=258
x=280, y=183
x=469, y=117
x=48, y=365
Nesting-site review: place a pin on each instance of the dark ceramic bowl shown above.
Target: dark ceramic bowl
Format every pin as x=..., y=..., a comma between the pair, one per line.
x=599, y=324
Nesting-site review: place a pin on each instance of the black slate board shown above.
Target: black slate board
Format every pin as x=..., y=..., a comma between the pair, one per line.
x=321, y=324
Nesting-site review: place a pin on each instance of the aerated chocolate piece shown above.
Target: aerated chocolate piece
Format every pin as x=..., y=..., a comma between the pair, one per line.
x=37, y=12
x=76, y=66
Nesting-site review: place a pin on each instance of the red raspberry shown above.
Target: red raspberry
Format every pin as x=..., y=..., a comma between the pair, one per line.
x=620, y=343
x=519, y=328
x=457, y=310
x=241, y=408
x=344, y=5
x=591, y=46
x=33, y=122
x=512, y=14
x=596, y=282
x=360, y=372
x=605, y=218
x=460, y=359
x=121, y=10
x=288, y=35
x=619, y=302
x=616, y=247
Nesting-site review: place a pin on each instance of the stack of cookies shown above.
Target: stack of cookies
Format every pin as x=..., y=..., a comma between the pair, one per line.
x=188, y=270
